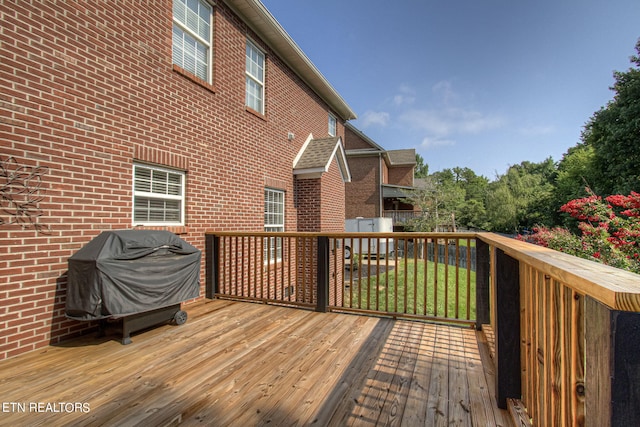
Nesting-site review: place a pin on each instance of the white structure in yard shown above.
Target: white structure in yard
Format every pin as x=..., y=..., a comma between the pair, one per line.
x=369, y=247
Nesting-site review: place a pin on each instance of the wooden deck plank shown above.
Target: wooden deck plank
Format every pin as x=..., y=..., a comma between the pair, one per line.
x=480, y=403
x=392, y=412
x=275, y=375
x=339, y=406
x=320, y=383
x=250, y=364
x=458, y=380
x=502, y=418
x=416, y=408
x=374, y=395
x=438, y=400
x=179, y=370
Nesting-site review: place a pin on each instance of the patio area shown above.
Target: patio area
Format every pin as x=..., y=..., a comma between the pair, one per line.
x=243, y=364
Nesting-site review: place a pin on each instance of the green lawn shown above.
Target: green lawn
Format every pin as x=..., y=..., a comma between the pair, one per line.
x=411, y=286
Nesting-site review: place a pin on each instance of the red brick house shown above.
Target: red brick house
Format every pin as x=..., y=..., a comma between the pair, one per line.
x=379, y=179
x=185, y=116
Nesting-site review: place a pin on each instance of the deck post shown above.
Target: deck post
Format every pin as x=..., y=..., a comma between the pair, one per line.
x=612, y=385
x=625, y=387
x=212, y=255
x=322, y=275
x=483, y=315
x=597, y=384
x=507, y=325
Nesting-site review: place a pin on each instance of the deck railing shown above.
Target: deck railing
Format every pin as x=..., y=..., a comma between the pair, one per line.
x=567, y=334
x=401, y=217
x=406, y=275
x=567, y=330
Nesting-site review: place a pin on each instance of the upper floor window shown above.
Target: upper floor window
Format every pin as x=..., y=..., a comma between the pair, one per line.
x=158, y=196
x=332, y=125
x=192, y=37
x=255, y=78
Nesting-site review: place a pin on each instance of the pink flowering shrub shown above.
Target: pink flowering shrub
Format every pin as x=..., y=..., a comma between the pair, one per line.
x=610, y=231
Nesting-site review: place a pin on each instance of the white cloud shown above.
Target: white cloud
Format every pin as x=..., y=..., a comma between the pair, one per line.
x=436, y=142
x=375, y=118
x=405, y=96
x=444, y=89
x=451, y=121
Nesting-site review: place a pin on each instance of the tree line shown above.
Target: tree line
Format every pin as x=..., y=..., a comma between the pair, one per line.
x=606, y=161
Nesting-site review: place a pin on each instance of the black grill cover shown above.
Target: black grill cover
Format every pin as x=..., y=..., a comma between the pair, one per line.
x=124, y=272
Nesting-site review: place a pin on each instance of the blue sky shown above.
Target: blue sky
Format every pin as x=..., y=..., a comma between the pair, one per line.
x=482, y=84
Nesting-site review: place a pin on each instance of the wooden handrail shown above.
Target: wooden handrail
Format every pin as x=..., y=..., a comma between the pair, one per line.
x=617, y=289
x=339, y=235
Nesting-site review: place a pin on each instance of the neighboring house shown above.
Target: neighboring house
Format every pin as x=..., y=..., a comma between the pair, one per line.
x=380, y=179
x=187, y=116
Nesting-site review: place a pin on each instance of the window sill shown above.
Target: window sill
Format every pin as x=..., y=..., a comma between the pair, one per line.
x=255, y=113
x=197, y=80
x=175, y=229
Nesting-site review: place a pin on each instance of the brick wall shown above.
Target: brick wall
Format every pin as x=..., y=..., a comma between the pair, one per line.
x=321, y=207
x=362, y=194
x=401, y=175
x=88, y=88
x=353, y=140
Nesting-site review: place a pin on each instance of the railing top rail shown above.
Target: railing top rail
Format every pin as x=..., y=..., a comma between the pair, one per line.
x=616, y=288
x=338, y=235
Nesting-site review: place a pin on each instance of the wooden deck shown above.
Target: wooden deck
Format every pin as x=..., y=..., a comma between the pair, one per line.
x=241, y=364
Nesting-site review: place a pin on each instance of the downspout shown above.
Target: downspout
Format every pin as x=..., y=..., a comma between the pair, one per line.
x=380, y=198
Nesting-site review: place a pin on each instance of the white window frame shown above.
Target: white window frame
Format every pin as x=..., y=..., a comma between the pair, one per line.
x=191, y=31
x=333, y=125
x=158, y=196
x=274, y=217
x=254, y=77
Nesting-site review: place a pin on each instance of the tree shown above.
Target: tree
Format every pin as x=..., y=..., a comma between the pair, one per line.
x=422, y=169
x=501, y=207
x=521, y=198
x=614, y=134
x=437, y=201
x=471, y=212
x=576, y=172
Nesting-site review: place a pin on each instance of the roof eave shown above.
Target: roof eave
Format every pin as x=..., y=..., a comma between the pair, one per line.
x=260, y=20
x=311, y=173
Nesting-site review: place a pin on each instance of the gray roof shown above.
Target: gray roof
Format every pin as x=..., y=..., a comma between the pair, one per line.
x=316, y=155
x=402, y=157
x=396, y=191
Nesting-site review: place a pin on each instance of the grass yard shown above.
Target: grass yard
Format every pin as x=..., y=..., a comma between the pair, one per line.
x=414, y=286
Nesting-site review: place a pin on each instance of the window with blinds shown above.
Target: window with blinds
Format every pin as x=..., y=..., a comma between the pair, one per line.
x=192, y=37
x=158, y=196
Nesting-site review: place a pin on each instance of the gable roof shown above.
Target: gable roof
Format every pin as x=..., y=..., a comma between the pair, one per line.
x=402, y=157
x=256, y=16
x=405, y=157
x=373, y=147
x=316, y=155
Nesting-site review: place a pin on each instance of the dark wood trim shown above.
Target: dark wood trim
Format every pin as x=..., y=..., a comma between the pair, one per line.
x=507, y=324
x=212, y=276
x=322, y=275
x=483, y=268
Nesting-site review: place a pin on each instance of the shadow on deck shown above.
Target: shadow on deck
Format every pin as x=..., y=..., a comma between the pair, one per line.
x=247, y=364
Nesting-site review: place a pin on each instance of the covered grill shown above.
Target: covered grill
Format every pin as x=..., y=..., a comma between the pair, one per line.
x=141, y=276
